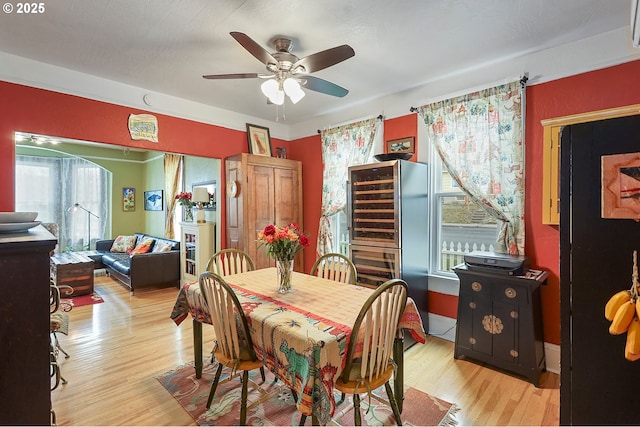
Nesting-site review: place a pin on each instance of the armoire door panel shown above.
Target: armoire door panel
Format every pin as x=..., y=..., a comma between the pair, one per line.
x=261, y=180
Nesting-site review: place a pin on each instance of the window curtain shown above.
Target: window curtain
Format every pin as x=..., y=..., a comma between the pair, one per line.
x=342, y=146
x=52, y=185
x=480, y=139
x=172, y=166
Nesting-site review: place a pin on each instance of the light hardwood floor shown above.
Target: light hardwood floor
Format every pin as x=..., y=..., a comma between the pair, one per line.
x=118, y=347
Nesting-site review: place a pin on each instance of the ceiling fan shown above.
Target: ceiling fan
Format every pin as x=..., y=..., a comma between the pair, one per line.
x=286, y=72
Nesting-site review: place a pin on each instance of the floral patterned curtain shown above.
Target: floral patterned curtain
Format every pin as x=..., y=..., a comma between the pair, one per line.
x=480, y=139
x=172, y=166
x=343, y=146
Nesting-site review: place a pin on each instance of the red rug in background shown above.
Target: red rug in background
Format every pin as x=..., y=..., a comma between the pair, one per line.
x=81, y=300
x=271, y=403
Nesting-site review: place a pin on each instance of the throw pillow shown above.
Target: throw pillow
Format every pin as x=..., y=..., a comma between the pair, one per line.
x=162, y=246
x=123, y=244
x=143, y=247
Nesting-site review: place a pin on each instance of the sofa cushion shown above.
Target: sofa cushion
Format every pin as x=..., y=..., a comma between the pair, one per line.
x=163, y=246
x=118, y=261
x=123, y=244
x=143, y=246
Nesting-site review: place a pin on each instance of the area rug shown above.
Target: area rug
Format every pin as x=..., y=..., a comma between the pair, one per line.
x=81, y=300
x=271, y=402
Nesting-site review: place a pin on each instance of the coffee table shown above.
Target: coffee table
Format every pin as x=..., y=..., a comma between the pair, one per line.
x=73, y=269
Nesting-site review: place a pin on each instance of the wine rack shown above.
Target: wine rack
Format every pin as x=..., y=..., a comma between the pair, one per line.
x=388, y=226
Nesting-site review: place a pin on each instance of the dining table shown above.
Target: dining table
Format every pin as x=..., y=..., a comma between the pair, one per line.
x=301, y=336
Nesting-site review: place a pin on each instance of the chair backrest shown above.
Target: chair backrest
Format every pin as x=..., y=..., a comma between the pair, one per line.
x=230, y=261
x=227, y=317
x=376, y=325
x=335, y=266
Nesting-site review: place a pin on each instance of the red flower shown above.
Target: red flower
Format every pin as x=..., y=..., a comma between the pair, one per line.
x=304, y=240
x=283, y=243
x=269, y=230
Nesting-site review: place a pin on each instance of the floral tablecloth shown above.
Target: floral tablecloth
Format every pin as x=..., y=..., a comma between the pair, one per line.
x=301, y=336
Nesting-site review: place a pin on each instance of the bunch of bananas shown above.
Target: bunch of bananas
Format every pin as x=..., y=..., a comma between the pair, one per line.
x=623, y=310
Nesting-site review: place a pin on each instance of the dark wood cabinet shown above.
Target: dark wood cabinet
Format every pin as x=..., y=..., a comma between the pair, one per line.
x=261, y=190
x=24, y=336
x=500, y=321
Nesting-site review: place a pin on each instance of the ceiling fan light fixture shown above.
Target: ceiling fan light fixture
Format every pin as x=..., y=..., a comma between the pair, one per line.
x=269, y=88
x=278, y=97
x=293, y=90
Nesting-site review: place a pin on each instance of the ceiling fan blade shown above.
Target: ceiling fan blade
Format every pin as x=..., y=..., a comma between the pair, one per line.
x=232, y=76
x=254, y=48
x=324, y=86
x=326, y=58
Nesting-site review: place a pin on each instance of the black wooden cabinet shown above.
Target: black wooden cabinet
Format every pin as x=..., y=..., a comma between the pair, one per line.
x=24, y=335
x=500, y=321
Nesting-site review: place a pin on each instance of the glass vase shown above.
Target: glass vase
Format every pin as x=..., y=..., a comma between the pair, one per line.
x=285, y=270
x=188, y=214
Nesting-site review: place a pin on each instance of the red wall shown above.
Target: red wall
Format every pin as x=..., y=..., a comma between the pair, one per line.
x=44, y=112
x=38, y=111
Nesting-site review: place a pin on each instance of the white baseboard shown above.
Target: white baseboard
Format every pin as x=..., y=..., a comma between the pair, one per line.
x=552, y=355
x=445, y=328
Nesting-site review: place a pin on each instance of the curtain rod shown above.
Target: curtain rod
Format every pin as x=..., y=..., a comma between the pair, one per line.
x=523, y=81
x=380, y=117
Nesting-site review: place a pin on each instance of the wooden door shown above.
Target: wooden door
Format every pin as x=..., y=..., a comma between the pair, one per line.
x=261, y=210
x=287, y=209
x=598, y=385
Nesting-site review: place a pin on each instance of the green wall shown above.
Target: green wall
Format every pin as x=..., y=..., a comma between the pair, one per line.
x=142, y=170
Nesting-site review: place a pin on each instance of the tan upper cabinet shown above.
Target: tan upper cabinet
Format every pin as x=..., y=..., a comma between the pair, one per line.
x=551, y=154
x=261, y=190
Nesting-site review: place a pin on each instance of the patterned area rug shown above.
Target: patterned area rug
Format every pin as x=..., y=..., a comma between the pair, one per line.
x=271, y=403
x=81, y=300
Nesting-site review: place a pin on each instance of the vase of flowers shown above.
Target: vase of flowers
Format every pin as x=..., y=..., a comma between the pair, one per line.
x=283, y=243
x=184, y=200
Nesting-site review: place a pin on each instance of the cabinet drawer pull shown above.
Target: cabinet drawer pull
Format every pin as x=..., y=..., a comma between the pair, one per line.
x=510, y=293
x=513, y=353
x=472, y=305
x=514, y=314
x=472, y=340
x=476, y=286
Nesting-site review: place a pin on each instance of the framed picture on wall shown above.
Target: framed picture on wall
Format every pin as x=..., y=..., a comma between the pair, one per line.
x=621, y=186
x=401, y=145
x=153, y=200
x=128, y=199
x=259, y=140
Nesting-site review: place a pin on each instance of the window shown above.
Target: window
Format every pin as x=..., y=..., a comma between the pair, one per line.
x=52, y=185
x=458, y=225
x=340, y=233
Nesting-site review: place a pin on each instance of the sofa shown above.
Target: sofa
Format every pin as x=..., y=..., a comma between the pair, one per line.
x=149, y=260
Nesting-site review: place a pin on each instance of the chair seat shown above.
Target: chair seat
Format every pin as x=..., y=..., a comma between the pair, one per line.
x=59, y=322
x=354, y=387
x=243, y=365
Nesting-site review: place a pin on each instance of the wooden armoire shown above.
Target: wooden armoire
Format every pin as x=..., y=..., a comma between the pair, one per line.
x=261, y=190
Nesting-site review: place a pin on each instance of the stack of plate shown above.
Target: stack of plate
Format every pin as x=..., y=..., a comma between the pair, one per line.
x=14, y=222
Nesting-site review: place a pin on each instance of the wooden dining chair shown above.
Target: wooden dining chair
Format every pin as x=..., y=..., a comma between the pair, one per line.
x=377, y=324
x=234, y=348
x=230, y=261
x=335, y=266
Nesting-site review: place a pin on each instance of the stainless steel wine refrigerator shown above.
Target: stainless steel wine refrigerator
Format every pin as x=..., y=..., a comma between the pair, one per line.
x=388, y=226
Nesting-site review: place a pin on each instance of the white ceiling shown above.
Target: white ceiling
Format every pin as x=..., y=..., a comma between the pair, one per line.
x=166, y=46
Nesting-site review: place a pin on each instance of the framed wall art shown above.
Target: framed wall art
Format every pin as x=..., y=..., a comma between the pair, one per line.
x=401, y=145
x=621, y=186
x=259, y=140
x=128, y=199
x=153, y=200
